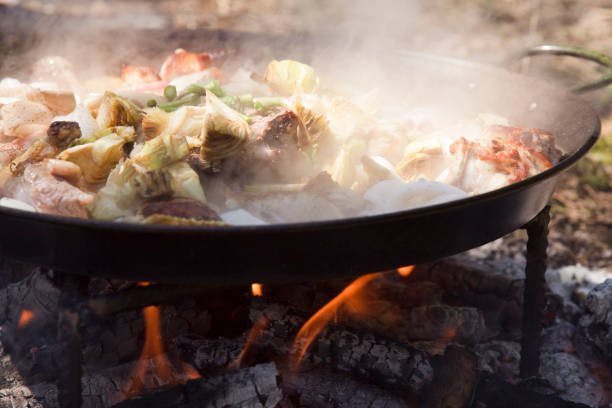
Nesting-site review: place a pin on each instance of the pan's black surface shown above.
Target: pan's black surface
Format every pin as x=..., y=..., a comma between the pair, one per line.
x=281, y=253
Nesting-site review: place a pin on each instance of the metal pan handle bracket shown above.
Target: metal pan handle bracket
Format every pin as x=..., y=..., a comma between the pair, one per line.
x=590, y=55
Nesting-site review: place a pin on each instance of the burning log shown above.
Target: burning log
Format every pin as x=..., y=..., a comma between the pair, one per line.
x=490, y=389
x=322, y=388
x=428, y=323
x=42, y=395
x=366, y=356
x=499, y=295
x=454, y=381
x=253, y=387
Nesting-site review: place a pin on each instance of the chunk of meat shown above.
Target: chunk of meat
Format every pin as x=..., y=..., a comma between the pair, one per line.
x=278, y=131
x=181, y=208
x=23, y=118
x=59, y=102
x=538, y=140
x=48, y=193
x=9, y=151
x=135, y=75
x=494, y=157
x=182, y=62
x=64, y=169
x=273, y=155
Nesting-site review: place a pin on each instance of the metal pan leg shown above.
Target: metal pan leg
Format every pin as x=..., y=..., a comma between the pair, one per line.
x=533, y=298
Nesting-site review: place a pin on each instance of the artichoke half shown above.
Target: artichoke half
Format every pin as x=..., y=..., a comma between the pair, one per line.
x=291, y=77
x=187, y=121
x=129, y=185
x=225, y=130
x=116, y=111
x=98, y=158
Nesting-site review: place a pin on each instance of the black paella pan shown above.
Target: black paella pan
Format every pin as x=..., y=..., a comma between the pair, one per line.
x=321, y=250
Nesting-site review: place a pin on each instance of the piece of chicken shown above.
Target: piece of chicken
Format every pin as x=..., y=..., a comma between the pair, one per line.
x=44, y=186
x=479, y=159
x=24, y=117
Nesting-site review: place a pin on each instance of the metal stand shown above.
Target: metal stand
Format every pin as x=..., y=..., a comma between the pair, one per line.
x=533, y=297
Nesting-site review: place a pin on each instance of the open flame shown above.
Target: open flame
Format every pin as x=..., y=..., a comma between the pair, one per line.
x=25, y=318
x=405, y=270
x=353, y=299
x=153, y=360
x=254, y=335
x=256, y=289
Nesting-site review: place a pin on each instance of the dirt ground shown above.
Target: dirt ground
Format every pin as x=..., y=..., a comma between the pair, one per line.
x=484, y=30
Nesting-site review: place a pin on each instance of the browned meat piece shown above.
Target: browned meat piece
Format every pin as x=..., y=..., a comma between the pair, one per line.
x=274, y=155
x=48, y=193
x=197, y=163
x=182, y=62
x=538, y=140
x=134, y=75
x=61, y=133
x=278, y=131
x=181, y=208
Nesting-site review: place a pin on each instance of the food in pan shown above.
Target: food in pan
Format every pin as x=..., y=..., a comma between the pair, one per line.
x=198, y=144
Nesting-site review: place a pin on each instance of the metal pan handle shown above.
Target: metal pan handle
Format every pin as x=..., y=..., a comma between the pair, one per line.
x=590, y=55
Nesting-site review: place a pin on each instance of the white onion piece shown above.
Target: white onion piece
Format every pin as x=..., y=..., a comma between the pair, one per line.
x=16, y=204
x=241, y=217
x=394, y=195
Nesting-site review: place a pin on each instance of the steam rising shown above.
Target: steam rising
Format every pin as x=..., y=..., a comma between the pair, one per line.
x=364, y=48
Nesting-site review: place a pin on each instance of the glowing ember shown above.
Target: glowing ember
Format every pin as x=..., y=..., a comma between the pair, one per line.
x=405, y=270
x=25, y=318
x=256, y=289
x=152, y=360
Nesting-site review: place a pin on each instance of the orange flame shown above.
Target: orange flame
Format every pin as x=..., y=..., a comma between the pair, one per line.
x=254, y=335
x=256, y=289
x=25, y=318
x=353, y=299
x=311, y=329
x=152, y=358
x=405, y=270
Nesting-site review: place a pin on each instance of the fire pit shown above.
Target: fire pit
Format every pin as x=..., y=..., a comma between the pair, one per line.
x=381, y=353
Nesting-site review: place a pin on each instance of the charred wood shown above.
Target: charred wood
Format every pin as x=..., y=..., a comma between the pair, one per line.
x=499, y=295
x=13, y=271
x=366, y=356
x=323, y=388
x=42, y=395
x=424, y=323
x=389, y=288
x=455, y=378
x=492, y=392
x=594, y=335
x=255, y=387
